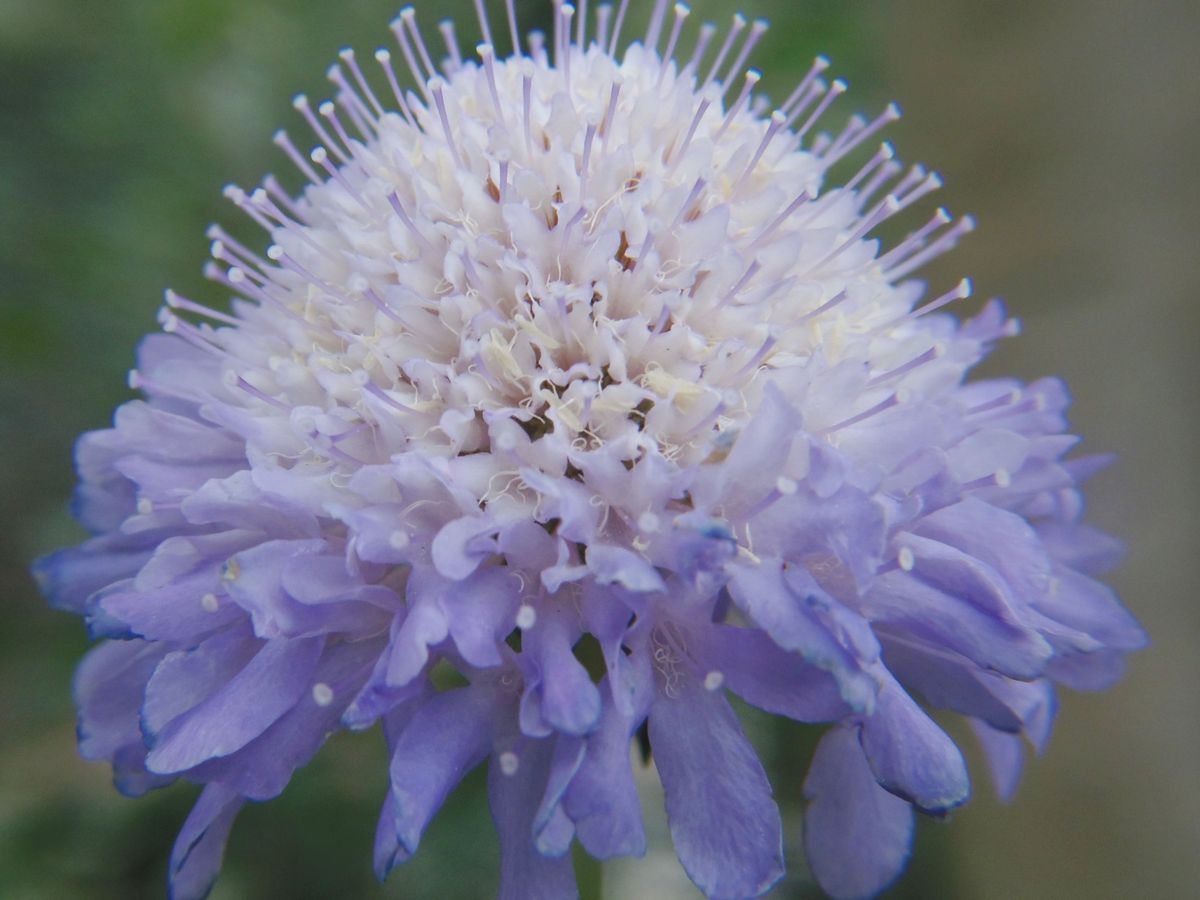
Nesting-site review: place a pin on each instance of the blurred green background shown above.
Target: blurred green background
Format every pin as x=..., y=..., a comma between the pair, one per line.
x=1070, y=127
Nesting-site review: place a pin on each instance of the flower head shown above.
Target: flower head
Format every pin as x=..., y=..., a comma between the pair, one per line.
x=579, y=347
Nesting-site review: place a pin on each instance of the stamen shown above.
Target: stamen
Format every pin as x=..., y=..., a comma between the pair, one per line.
x=820, y=64
x=691, y=132
x=713, y=680
x=300, y=103
x=588, y=137
x=446, y=27
x=616, y=35
x=779, y=220
x=384, y=58
x=960, y=291
x=752, y=78
x=398, y=30
x=707, y=30
x=892, y=400
x=175, y=301
x=485, y=27
x=581, y=25
x=488, y=54
x=824, y=307
x=275, y=189
x=329, y=112
x=408, y=16
x=885, y=153
x=739, y=22
x=750, y=272
x=937, y=351
x=527, y=102
x=436, y=86
x=778, y=120
x=514, y=32
x=906, y=559
x=757, y=30
x=209, y=603
x=394, y=200
x=281, y=140
x=654, y=29
x=839, y=149
x=836, y=89
x=603, y=15
x=682, y=11
x=351, y=102
x=945, y=242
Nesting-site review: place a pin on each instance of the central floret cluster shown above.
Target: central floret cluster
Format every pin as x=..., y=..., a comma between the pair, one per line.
x=569, y=345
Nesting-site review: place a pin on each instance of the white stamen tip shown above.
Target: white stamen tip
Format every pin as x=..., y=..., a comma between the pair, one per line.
x=275, y=253
x=209, y=603
x=133, y=379
x=322, y=694
x=398, y=540
x=965, y=287
x=906, y=559
x=382, y=55
x=714, y=680
x=785, y=485
x=318, y=155
x=1003, y=478
x=526, y=617
x=145, y=506
x=509, y=763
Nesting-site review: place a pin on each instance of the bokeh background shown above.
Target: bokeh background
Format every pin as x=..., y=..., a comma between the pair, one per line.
x=1071, y=128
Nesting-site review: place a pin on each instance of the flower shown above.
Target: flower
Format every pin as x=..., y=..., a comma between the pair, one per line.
x=571, y=355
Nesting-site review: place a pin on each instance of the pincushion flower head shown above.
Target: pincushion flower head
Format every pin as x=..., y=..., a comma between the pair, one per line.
x=580, y=350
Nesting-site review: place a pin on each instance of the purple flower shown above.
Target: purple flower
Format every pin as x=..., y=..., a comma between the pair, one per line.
x=577, y=344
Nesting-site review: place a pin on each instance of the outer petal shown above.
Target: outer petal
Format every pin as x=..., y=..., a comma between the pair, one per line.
x=762, y=673
x=1005, y=756
x=911, y=756
x=724, y=822
x=241, y=710
x=602, y=799
x=198, y=851
x=525, y=874
x=446, y=738
x=856, y=834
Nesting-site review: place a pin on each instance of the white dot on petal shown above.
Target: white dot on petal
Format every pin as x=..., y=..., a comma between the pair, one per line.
x=209, y=603
x=713, y=680
x=1003, y=479
x=526, y=617
x=785, y=485
x=322, y=694
x=398, y=540
x=144, y=507
x=906, y=558
x=509, y=763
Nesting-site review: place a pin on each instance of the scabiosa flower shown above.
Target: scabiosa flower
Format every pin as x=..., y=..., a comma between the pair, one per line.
x=578, y=349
